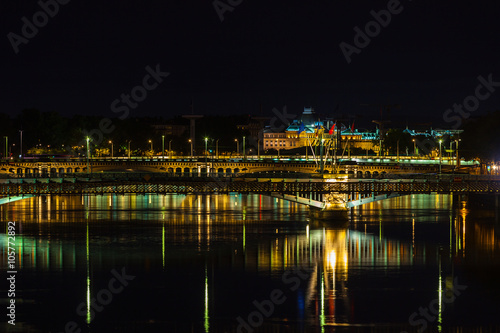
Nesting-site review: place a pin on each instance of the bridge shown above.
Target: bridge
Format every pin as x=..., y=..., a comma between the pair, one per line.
x=197, y=166
x=335, y=192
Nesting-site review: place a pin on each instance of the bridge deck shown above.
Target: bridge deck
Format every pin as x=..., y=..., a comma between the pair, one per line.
x=153, y=184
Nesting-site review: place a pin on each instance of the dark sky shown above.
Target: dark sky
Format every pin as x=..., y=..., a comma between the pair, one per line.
x=269, y=53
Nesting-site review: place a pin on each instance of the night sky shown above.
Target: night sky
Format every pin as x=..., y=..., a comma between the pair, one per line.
x=263, y=55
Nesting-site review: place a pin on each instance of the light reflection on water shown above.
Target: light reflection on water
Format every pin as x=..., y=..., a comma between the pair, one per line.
x=393, y=257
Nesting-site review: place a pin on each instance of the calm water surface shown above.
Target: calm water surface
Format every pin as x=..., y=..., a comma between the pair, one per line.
x=251, y=263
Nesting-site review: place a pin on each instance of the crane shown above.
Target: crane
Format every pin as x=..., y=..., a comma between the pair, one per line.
x=381, y=122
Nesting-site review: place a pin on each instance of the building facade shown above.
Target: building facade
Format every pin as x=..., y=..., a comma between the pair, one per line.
x=310, y=131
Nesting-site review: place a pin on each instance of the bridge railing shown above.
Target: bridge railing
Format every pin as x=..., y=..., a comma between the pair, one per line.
x=417, y=160
x=117, y=175
x=217, y=175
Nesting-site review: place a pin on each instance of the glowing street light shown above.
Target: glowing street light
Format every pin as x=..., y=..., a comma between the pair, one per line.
x=206, y=152
x=237, y=146
x=88, y=152
x=21, y=155
x=112, y=153
x=151, y=142
x=244, y=152
x=414, y=147
x=170, y=148
x=191, y=142
x=162, y=145
x=440, y=142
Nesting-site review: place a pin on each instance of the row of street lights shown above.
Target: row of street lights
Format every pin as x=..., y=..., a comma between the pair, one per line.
x=149, y=141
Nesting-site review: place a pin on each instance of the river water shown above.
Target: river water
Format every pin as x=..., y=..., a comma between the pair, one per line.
x=250, y=263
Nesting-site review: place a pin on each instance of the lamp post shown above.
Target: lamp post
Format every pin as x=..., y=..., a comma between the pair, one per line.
x=440, y=142
x=258, y=148
x=217, y=148
x=88, y=151
x=6, y=147
x=129, y=148
x=237, y=146
x=244, y=152
x=278, y=147
x=21, y=155
x=456, y=153
x=206, y=153
x=414, y=147
x=170, y=149
x=191, y=142
x=151, y=142
x=112, y=152
x=397, y=152
x=163, y=146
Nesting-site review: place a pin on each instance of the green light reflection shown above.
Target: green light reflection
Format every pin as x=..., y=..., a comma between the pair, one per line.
x=206, y=316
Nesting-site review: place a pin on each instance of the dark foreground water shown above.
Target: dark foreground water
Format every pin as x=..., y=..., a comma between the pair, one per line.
x=250, y=263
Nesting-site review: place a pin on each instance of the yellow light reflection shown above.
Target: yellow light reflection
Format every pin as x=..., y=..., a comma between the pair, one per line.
x=88, y=275
x=322, y=315
x=440, y=295
x=163, y=245
x=244, y=236
x=332, y=259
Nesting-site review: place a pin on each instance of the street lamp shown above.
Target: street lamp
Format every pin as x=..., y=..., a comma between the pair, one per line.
x=162, y=146
x=440, y=142
x=258, y=148
x=237, y=146
x=170, y=149
x=191, y=142
x=129, y=148
x=88, y=150
x=397, y=151
x=21, y=131
x=151, y=142
x=244, y=152
x=206, y=153
x=278, y=147
x=6, y=147
x=112, y=153
x=217, y=148
x=414, y=147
